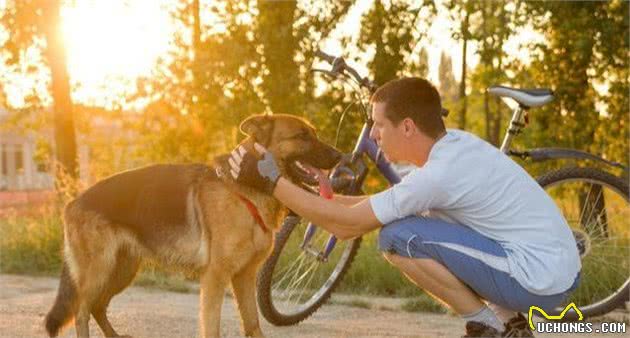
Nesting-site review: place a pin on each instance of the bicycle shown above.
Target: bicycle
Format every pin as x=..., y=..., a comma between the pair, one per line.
x=307, y=263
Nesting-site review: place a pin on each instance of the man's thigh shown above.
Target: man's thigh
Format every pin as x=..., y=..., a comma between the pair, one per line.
x=478, y=261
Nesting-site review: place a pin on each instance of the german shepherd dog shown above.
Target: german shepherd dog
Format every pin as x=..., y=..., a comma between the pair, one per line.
x=182, y=215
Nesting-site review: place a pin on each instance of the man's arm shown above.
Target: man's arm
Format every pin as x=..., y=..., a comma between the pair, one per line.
x=343, y=221
x=349, y=200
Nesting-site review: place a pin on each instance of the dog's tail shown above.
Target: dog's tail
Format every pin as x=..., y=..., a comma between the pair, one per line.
x=65, y=304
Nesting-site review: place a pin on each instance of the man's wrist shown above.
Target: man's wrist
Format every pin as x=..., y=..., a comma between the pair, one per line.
x=274, y=189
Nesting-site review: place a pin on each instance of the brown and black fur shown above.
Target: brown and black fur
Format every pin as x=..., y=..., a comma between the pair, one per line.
x=183, y=215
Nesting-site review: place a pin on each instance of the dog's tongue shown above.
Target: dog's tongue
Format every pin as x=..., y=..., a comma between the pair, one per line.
x=325, y=189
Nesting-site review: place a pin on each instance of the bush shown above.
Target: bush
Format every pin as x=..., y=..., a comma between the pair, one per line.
x=31, y=242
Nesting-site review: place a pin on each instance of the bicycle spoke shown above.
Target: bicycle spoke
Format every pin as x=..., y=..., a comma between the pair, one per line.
x=586, y=199
x=598, y=214
x=295, y=272
x=285, y=271
x=298, y=282
x=593, y=207
x=308, y=283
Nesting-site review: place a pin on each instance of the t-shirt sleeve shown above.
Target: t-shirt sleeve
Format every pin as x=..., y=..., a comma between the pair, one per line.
x=416, y=193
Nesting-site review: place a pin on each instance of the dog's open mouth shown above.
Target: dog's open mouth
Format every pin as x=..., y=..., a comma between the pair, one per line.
x=308, y=174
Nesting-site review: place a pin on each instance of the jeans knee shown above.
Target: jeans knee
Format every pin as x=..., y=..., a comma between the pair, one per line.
x=394, y=238
x=386, y=239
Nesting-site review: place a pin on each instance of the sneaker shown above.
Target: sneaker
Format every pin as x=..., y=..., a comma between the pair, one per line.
x=477, y=329
x=518, y=326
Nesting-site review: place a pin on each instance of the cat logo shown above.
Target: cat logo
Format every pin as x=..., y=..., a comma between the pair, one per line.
x=558, y=317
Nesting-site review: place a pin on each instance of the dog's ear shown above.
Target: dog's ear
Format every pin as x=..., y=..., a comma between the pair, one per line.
x=259, y=127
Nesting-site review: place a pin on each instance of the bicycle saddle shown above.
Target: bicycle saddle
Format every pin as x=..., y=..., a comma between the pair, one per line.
x=527, y=98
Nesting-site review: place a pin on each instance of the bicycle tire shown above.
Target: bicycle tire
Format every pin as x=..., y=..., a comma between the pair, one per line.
x=620, y=295
x=265, y=279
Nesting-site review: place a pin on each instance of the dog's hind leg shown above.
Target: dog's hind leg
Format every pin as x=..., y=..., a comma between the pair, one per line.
x=213, y=283
x=82, y=320
x=90, y=289
x=123, y=274
x=244, y=288
x=94, y=267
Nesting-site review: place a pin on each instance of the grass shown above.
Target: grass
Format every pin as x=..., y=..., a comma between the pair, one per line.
x=31, y=243
x=423, y=303
x=354, y=302
x=158, y=277
x=371, y=274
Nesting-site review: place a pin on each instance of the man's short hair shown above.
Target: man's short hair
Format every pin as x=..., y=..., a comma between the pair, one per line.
x=414, y=98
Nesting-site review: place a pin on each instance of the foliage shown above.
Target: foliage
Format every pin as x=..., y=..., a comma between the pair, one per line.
x=587, y=45
x=255, y=56
x=37, y=24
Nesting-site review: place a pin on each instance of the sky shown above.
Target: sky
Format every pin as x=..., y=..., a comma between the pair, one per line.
x=110, y=43
x=439, y=40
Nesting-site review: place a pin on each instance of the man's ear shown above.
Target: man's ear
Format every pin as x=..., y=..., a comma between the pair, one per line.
x=409, y=126
x=259, y=127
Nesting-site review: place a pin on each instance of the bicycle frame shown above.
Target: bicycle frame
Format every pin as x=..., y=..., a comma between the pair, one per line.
x=518, y=122
x=364, y=145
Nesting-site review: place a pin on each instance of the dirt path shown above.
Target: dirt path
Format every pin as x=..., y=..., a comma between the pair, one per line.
x=143, y=312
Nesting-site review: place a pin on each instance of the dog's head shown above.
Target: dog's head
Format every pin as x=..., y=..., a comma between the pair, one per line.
x=292, y=141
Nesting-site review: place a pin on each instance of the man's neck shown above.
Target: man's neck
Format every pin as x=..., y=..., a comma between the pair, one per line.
x=422, y=156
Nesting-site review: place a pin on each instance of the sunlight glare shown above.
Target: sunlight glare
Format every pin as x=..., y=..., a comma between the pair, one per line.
x=109, y=40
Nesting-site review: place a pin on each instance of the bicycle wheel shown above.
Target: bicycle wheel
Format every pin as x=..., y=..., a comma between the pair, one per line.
x=296, y=281
x=595, y=204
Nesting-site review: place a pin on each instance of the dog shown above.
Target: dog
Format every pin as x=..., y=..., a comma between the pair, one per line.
x=184, y=215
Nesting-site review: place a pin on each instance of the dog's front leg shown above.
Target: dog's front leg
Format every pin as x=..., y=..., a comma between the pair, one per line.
x=213, y=282
x=244, y=287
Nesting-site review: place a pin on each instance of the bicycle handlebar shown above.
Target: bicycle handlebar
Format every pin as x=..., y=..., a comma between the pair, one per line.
x=339, y=66
x=328, y=58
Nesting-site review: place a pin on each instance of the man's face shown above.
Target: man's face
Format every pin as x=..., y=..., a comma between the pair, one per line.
x=390, y=138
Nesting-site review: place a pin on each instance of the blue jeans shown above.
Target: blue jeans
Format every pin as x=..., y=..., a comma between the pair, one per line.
x=478, y=261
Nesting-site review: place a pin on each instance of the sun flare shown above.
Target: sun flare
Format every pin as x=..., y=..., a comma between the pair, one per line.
x=113, y=40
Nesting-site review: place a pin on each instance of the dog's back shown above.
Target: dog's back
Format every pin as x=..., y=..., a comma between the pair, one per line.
x=131, y=198
x=142, y=209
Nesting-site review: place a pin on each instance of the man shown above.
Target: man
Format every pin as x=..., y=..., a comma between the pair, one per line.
x=468, y=225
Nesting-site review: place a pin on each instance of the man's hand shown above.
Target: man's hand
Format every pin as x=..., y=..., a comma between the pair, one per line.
x=261, y=174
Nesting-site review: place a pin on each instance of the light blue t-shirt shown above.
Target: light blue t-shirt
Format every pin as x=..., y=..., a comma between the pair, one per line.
x=470, y=182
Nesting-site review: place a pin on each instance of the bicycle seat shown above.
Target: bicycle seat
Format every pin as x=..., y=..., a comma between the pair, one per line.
x=527, y=98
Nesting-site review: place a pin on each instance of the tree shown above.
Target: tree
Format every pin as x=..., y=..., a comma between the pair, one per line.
x=275, y=34
x=257, y=62
x=40, y=20
x=587, y=44
x=393, y=29
x=461, y=11
x=448, y=84
x=421, y=69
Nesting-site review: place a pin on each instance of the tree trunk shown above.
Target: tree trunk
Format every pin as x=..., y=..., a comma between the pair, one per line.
x=462, y=83
x=65, y=139
x=275, y=31
x=196, y=43
x=486, y=110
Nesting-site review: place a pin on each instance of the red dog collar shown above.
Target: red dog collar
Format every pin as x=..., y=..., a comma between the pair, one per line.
x=254, y=211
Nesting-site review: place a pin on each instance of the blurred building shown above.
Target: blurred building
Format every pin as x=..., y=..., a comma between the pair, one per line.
x=20, y=167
